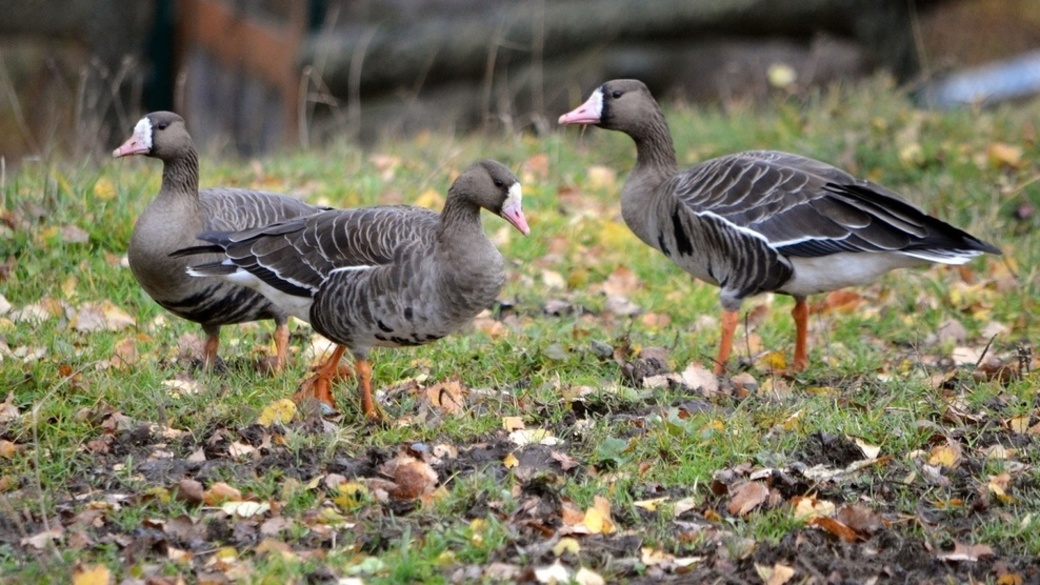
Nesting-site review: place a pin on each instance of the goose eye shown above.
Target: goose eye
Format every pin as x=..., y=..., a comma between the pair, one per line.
x=616, y=94
x=499, y=183
x=161, y=125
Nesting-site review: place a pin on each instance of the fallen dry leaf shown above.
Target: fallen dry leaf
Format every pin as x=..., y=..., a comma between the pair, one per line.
x=103, y=316
x=947, y=455
x=280, y=411
x=189, y=490
x=512, y=423
x=41, y=539
x=966, y=552
x=746, y=497
x=97, y=574
x=859, y=518
x=245, y=509
x=219, y=493
x=1001, y=154
x=807, y=508
x=586, y=576
x=836, y=528
x=553, y=574
x=566, y=544
x=778, y=574
x=533, y=437
x=448, y=396
x=412, y=477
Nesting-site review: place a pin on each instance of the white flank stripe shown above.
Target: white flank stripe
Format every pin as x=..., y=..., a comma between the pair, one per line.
x=734, y=226
x=349, y=269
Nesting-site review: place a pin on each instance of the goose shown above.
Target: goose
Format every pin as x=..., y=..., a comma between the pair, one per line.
x=383, y=276
x=179, y=212
x=764, y=221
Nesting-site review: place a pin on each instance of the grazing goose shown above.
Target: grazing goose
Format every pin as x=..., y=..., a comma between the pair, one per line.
x=386, y=276
x=178, y=213
x=764, y=221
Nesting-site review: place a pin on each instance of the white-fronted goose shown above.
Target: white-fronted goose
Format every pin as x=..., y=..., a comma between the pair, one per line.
x=764, y=221
x=178, y=213
x=386, y=276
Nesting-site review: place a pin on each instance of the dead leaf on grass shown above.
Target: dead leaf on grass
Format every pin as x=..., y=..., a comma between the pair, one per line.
x=946, y=455
x=40, y=540
x=555, y=573
x=836, y=528
x=280, y=411
x=411, y=477
x=586, y=576
x=219, y=493
x=966, y=552
x=859, y=518
x=746, y=497
x=512, y=423
x=245, y=509
x=524, y=437
x=97, y=574
x=807, y=508
x=103, y=316
x=449, y=396
x=778, y=574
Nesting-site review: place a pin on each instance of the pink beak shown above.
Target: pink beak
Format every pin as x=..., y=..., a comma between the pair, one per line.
x=515, y=216
x=131, y=146
x=586, y=113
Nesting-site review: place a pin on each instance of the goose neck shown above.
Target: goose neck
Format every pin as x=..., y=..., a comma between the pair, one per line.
x=181, y=174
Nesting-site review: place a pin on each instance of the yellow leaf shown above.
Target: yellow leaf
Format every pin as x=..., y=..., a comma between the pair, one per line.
x=772, y=361
x=1001, y=154
x=280, y=411
x=91, y=575
x=651, y=504
x=807, y=508
x=597, y=518
x=948, y=455
x=104, y=189
x=565, y=545
x=351, y=495
x=533, y=437
x=781, y=75
x=776, y=575
x=586, y=576
x=245, y=509
x=430, y=199
x=602, y=177
x=510, y=461
x=869, y=451
x=594, y=520
x=512, y=423
x=1019, y=424
x=69, y=287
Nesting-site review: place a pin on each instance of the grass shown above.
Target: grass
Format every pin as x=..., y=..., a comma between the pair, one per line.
x=872, y=376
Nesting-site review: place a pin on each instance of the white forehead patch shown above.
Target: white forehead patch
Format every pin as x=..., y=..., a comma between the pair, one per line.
x=514, y=198
x=143, y=133
x=595, y=102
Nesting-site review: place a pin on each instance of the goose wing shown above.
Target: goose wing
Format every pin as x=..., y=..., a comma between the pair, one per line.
x=807, y=208
x=296, y=256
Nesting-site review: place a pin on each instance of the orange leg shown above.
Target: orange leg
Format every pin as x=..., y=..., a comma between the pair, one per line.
x=729, y=327
x=281, y=345
x=319, y=386
x=801, y=327
x=209, y=350
x=363, y=368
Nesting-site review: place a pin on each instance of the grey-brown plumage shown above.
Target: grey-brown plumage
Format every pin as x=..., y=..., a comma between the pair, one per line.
x=177, y=214
x=386, y=276
x=764, y=221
